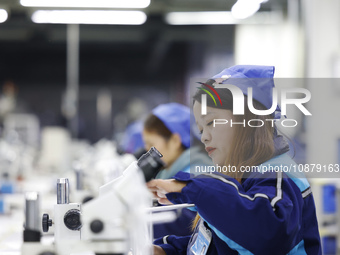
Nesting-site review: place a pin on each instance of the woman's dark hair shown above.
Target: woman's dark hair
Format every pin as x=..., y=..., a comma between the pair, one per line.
x=250, y=146
x=154, y=124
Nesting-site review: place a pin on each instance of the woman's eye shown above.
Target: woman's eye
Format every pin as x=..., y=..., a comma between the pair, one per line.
x=200, y=132
x=210, y=123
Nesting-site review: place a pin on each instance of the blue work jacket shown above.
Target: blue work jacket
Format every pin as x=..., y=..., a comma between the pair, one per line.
x=267, y=213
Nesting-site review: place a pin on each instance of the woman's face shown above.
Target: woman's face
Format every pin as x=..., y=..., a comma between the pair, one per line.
x=216, y=139
x=164, y=146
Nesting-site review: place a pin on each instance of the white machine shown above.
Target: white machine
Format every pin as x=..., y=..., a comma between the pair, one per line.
x=32, y=234
x=115, y=222
x=66, y=215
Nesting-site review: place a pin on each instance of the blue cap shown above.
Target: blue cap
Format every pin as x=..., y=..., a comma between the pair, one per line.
x=132, y=139
x=2, y=206
x=260, y=78
x=176, y=118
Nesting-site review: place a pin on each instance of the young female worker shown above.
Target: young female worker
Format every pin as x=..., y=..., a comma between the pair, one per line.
x=237, y=212
x=168, y=129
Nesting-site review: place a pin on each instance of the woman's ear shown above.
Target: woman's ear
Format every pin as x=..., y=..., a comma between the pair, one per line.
x=176, y=141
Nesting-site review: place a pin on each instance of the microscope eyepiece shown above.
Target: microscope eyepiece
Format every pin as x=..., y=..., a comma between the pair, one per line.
x=63, y=191
x=151, y=163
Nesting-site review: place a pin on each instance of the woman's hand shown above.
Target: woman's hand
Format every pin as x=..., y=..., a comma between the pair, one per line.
x=161, y=187
x=157, y=250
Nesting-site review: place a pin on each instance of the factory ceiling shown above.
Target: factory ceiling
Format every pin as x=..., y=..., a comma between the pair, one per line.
x=152, y=51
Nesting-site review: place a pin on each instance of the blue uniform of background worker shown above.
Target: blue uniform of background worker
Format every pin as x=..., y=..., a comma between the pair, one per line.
x=168, y=129
x=242, y=213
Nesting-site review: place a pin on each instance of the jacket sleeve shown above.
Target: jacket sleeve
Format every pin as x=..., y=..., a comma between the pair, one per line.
x=264, y=218
x=173, y=245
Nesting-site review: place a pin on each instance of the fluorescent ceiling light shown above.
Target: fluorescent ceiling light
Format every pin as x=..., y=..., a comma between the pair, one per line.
x=220, y=18
x=90, y=17
x=87, y=3
x=3, y=15
x=199, y=18
x=243, y=9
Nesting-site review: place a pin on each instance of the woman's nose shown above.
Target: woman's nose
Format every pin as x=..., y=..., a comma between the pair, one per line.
x=204, y=137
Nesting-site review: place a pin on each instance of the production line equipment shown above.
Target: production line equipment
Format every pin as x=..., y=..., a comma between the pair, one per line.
x=116, y=222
